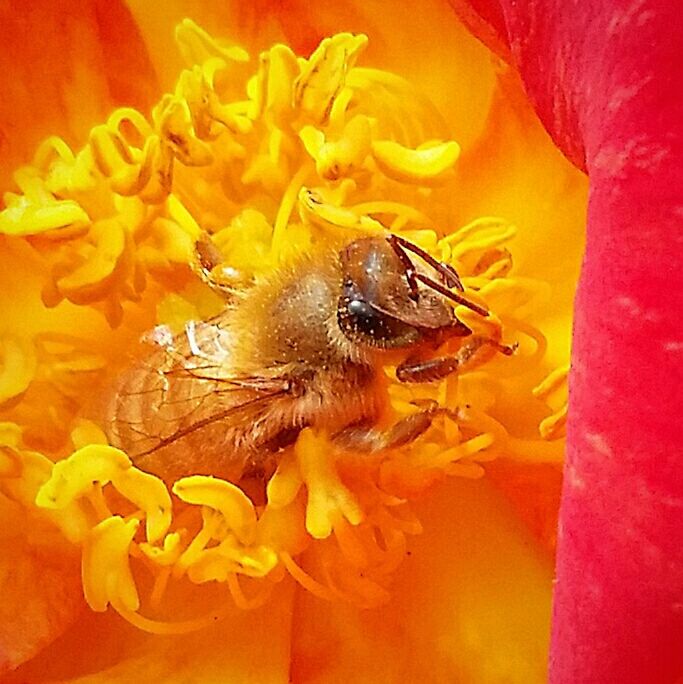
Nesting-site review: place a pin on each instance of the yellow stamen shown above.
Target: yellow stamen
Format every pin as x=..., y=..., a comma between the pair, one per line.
x=76, y=476
x=305, y=580
x=323, y=75
x=554, y=391
x=319, y=146
x=171, y=628
x=285, y=483
x=426, y=164
x=149, y=495
x=230, y=501
x=241, y=601
x=106, y=570
x=286, y=207
x=328, y=499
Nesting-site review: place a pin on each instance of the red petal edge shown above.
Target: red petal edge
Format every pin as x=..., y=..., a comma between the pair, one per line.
x=606, y=81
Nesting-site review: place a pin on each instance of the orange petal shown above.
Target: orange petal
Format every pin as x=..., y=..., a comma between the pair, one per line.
x=39, y=584
x=70, y=64
x=244, y=646
x=472, y=602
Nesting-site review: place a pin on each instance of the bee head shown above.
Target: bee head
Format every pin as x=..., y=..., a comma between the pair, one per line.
x=381, y=305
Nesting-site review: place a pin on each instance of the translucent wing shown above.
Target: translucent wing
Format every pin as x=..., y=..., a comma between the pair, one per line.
x=181, y=409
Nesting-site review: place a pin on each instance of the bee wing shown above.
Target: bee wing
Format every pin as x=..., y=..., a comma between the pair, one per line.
x=192, y=424
x=181, y=403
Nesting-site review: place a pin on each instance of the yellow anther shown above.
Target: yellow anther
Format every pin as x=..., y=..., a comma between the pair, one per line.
x=323, y=75
x=226, y=498
x=313, y=139
x=553, y=426
x=86, y=432
x=339, y=158
x=269, y=167
x=174, y=120
x=196, y=45
x=179, y=213
x=34, y=471
x=169, y=243
x=557, y=380
x=32, y=185
x=166, y=555
x=484, y=224
x=245, y=243
x=106, y=565
x=256, y=89
x=271, y=89
x=283, y=528
x=482, y=239
x=173, y=311
x=129, y=118
x=427, y=239
x=193, y=89
x=210, y=71
x=233, y=116
x=109, y=151
x=328, y=498
x=50, y=150
x=283, y=69
x=158, y=169
x=403, y=215
x=425, y=165
x=150, y=495
x=73, y=178
x=131, y=179
x=86, y=283
x=338, y=111
x=229, y=557
x=553, y=390
x=285, y=484
x=75, y=476
x=315, y=211
x=515, y=295
x=24, y=217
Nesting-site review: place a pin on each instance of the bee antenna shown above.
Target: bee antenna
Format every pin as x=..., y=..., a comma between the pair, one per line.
x=446, y=271
x=398, y=244
x=453, y=296
x=450, y=276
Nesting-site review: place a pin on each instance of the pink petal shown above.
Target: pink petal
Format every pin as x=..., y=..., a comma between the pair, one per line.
x=606, y=80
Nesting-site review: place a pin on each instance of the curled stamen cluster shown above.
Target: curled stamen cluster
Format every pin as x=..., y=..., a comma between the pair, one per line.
x=265, y=165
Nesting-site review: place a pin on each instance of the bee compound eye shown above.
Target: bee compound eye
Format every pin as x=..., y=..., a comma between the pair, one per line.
x=363, y=323
x=357, y=307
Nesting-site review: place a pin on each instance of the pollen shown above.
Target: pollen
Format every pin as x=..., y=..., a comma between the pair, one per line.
x=265, y=155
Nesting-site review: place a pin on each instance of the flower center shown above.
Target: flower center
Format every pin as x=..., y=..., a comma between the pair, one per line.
x=267, y=165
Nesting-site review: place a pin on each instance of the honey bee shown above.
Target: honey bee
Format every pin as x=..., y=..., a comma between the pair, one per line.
x=304, y=347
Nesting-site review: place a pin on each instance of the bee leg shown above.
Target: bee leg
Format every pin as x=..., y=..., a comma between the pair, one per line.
x=408, y=429
x=442, y=366
x=367, y=439
x=426, y=371
x=206, y=257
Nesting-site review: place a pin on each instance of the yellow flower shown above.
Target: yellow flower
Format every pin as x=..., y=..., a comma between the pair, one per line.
x=269, y=141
